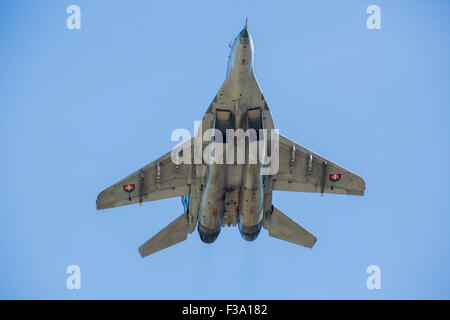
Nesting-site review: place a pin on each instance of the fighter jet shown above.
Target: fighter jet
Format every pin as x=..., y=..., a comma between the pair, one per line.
x=223, y=193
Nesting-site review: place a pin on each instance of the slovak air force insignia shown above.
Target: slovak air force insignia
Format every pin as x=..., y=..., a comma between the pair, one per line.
x=335, y=177
x=129, y=188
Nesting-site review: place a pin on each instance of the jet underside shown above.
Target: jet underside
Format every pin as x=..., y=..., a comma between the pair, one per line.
x=233, y=193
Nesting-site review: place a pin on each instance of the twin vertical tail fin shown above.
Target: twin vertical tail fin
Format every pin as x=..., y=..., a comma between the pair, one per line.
x=282, y=227
x=174, y=233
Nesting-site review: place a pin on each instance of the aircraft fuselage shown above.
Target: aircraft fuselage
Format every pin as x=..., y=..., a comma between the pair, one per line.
x=234, y=190
x=239, y=158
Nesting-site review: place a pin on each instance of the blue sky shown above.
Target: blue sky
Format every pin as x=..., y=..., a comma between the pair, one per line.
x=81, y=109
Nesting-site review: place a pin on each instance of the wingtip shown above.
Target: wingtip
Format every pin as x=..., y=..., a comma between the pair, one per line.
x=141, y=252
x=313, y=242
x=98, y=202
x=363, y=185
x=104, y=200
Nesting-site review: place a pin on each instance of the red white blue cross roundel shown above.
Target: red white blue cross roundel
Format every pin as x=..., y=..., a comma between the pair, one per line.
x=335, y=177
x=129, y=188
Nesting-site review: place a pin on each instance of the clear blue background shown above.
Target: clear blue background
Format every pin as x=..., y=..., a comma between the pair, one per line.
x=81, y=109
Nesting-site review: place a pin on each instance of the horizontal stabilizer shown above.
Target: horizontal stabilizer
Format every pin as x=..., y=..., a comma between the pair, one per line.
x=284, y=228
x=174, y=233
